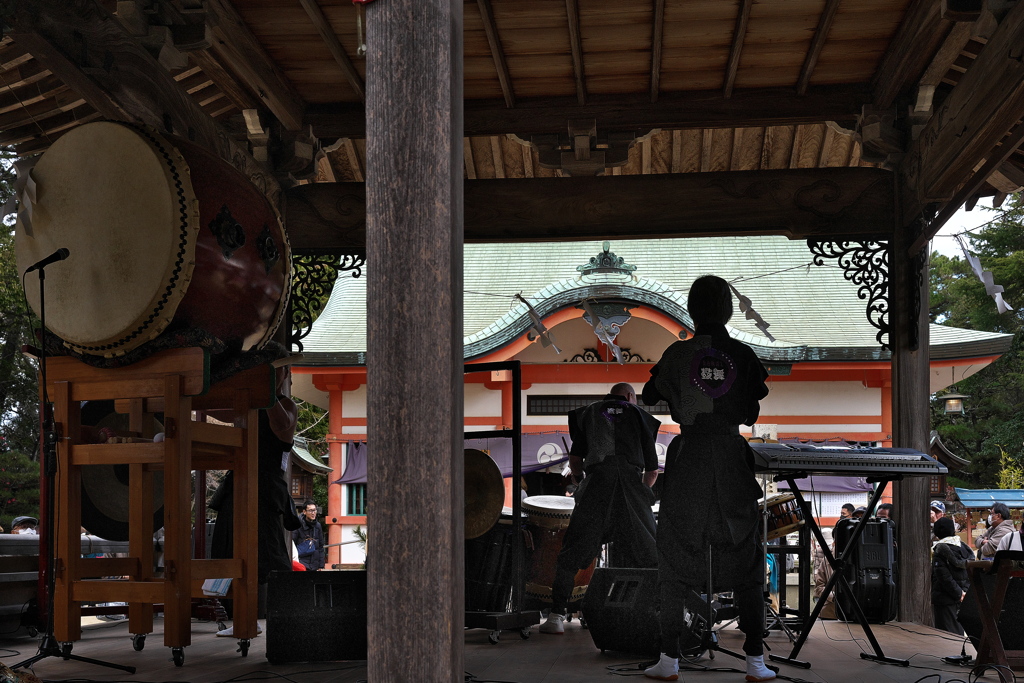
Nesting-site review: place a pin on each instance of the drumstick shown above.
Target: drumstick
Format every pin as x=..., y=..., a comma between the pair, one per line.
x=288, y=360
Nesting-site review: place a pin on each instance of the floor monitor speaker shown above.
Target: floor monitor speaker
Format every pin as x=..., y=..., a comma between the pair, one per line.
x=316, y=616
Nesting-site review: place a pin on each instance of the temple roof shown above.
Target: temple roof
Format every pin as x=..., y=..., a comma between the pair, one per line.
x=813, y=311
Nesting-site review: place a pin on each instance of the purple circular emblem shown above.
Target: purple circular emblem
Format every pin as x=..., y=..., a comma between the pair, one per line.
x=712, y=371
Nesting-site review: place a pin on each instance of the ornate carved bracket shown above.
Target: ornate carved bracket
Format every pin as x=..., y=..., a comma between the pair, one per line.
x=313, y=278
x=591, y=355
x=865, y=264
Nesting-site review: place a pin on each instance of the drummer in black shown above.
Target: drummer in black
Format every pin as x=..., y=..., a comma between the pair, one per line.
x=613, y=442
x=709, y=500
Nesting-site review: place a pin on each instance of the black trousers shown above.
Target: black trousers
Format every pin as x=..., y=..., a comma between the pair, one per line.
x=946, y=618
x=749, y=604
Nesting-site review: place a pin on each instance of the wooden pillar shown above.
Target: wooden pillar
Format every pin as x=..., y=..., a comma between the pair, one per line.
x=911, y=421
x=414, y=176
x=334, y=491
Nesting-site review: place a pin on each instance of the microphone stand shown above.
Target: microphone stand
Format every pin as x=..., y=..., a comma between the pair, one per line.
x=49, y=646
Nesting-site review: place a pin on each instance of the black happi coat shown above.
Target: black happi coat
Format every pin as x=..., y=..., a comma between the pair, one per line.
x=712, y=384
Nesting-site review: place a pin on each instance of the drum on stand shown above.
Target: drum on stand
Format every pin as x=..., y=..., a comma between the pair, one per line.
x=159, y=231
x=548, y=520
x=784, y=515
x=490, y=536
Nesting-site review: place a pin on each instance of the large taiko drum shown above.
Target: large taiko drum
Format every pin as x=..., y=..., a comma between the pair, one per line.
x=548, y=519
x=159, y=231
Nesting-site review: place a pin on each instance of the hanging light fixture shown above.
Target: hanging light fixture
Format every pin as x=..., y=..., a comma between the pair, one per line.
x=953, y=404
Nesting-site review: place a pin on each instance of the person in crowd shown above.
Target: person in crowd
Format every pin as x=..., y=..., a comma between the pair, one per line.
x=613, y=442
x=1012, y=541
x=884, y=511
x=24, y=525
x=846, y=511
x=949, y=576
x=309, y=539
x=859, y=512
x=999, y=525
x=936, y=511
x=709, y=503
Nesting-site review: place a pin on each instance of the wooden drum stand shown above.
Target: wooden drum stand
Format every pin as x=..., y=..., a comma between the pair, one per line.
x=174, y=382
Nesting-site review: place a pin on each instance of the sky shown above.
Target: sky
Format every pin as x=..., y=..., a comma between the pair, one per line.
x=961, y=221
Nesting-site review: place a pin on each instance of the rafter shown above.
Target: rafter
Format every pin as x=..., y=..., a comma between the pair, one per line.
x=494, y=41
x=692, y=110
x=657, y=40
x=88, y=49
x=355, y=163
x=236, y=47
x=919, y=36
x=572, y=11
x=227, y=83
x=828, y=15
x=739, y=34
x=467, y=157
x=330, y=38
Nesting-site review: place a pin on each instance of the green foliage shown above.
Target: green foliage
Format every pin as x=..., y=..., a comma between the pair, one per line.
x=1011, y=474
x=19, y=487
x=19, y=414
x=313, y=426
x=991, y=434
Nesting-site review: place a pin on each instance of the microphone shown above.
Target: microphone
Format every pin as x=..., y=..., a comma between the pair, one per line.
x=58, y=255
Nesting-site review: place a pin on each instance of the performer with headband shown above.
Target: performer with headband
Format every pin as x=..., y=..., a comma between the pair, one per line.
x=712, y=384
x=613, y=442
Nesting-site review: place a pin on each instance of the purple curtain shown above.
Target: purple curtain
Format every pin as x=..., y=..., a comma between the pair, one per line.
x=355, y=464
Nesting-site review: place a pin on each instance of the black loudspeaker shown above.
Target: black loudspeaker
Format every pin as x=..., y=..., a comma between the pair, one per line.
x=869, y=571
x=1011, y=619
x=316, y=616
x=621, y=609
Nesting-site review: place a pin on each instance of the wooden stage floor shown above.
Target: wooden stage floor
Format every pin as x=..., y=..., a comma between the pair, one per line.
x=833, y=650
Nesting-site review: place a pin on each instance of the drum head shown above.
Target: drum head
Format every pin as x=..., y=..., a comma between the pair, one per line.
x=485, y=493
x=557, y=505
x=120, y=200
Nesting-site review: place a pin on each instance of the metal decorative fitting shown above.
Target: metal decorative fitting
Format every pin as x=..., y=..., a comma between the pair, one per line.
x=229, y=232
x=313, y=278
x=606, y=262
x=865, y=264
x=266, y=248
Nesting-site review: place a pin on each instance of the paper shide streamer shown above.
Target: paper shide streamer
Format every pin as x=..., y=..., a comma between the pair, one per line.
x=747, y=308
x=985, y=276
x=537, y=328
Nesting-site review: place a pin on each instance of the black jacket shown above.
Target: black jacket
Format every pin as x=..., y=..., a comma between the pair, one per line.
x=307, y=529
x=949, y=573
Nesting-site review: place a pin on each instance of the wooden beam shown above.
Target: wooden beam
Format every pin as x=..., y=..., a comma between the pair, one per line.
x=87, y=48
x=677, y=151
x=330, y=38
x=527, y=161
x=497, y=157
x=998, y=157
x=698, y=109
x=467, y=156
x=657, y=41
x=739, y=34
x=984, y=106
x=353, y=158
x=414, y=95
x=237, y=48
x=227, y=83
x=828, y=15
x=572, y=11
x=833, y=203
x=919, y=36
x=497, y=54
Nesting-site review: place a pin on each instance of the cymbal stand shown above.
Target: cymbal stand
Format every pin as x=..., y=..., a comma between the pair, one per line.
x=48, y=436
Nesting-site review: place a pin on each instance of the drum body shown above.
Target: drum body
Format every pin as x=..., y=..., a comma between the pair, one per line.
x=784, y=515
x=491, y=566
x=159, y=231
x=548, y=520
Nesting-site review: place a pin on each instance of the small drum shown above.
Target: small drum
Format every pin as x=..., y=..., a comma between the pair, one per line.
x=159, y=231
x=548, y=520
x=784, y=515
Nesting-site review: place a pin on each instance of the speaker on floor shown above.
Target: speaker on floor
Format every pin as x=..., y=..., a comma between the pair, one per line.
x=316, y=616
x=1010, y=621
x=621, y=611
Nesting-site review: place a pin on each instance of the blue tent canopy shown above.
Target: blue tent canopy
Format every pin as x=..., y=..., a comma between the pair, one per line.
x=986, y=498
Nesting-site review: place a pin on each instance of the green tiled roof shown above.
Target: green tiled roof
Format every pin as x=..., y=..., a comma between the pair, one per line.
x=308, y=461
x=814, y=312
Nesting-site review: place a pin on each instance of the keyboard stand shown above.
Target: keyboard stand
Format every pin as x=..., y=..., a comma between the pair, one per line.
x=838, y=563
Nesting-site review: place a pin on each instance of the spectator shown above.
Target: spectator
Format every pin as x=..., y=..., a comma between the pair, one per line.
x=1012, y=541
x=859, y=512
x=309, y=539
x=884, y=512
x=936, y=511
x=24, y=525
x=999, y=525
x=949, y=576
x=846, y=511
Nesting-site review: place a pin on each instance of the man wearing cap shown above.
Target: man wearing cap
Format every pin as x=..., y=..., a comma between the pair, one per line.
x=24, y=525
x=936, y=512
x=999, y=525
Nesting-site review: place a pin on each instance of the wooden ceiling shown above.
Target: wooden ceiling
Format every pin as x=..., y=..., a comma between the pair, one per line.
x=702, y=85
